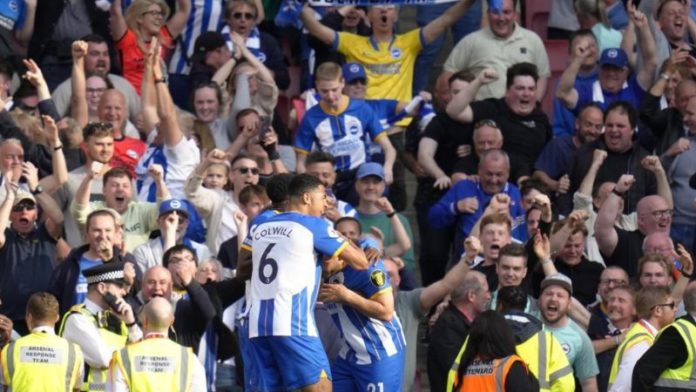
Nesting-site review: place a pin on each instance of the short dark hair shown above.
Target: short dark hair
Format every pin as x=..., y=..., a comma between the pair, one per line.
x=239, y=157
x=319, y=156
x=301, y=184
x=179, y=248
x=209, y=84
x=521, y=69
x=514, y=250
x=463, y=75
x=117, y=172
x=511, y=298
x=245, y=112
x=348, y=219
x=277, y=188
x=94, y=38
x=490, y=337
x=626, y=108
x=532, y=183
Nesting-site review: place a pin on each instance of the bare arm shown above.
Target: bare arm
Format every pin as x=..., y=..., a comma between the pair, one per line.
x=148, y=95
x=316, y=28
x=169, y=126
x=354, y=256
x=262, y=14
x=78, y=100
x=177, y=22
x=647, y=48
x=587, y=184
x=60, y=168
x=652, y=163
x=117, y=21
x=50, y=208
x=403, y=242
x=434, y=293
x=389, y=158
x=426, y=157
x=300, y=159
x=606, y=235
x=459, y=107
x=589, y=384
x=380, y=306
x=628, y=43
x=542, y=84
x=6, y=208
x=566, y=91
x=606, y=344
x=436, y=27
x=263, y=72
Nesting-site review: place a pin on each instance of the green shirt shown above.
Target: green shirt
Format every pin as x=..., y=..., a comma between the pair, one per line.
x=381, y=222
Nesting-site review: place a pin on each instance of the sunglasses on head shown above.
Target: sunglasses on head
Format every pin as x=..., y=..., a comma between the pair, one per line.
x=25, y=205
x=245, y=15
x=245, y=170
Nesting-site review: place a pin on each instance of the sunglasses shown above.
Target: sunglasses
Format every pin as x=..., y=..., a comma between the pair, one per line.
x=28, y=206
x=670, y=305
x=245, y=15
x=245, y=170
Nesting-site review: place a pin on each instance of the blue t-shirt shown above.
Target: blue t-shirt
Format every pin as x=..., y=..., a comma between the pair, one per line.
x=563, y=122
x=556, y=157
x=81, y=288
x=632, y=93
x=342, y=133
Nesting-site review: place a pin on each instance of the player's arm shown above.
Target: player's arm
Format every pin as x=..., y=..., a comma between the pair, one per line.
x=353, y=256
x=379, y=306
x=244, y=265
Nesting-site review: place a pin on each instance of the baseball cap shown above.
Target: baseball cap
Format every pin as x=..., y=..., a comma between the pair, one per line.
x=558, y=279
x=23, y=195
x=353, y=71
x=170, y=205
x=370, y=169
x=206, y=42
x=614, y=56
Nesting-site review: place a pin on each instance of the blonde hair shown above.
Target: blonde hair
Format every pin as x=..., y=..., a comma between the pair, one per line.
x=328, y=72
x=30, y=126
x=136, y=10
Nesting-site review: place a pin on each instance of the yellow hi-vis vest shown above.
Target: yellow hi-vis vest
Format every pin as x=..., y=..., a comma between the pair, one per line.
x=95, y=379
x=544, y=357
x=41, y=362
x=685, y=376
x=156, y=365
x=636, y=334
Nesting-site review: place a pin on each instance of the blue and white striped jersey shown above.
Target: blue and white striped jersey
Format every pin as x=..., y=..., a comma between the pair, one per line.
x=287, y=254
x=365, y=339
x=341, y=133
x=206, y=15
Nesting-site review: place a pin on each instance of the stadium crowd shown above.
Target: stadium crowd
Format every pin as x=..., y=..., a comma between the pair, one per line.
x=209, y=195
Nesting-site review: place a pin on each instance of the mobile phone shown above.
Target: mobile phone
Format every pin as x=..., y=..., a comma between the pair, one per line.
x=111, y=300
x=264, y=126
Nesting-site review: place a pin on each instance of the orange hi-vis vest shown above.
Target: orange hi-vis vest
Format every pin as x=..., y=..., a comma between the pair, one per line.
x=487, y=376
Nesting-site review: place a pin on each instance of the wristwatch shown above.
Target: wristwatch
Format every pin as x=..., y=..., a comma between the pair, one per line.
x=37, y=190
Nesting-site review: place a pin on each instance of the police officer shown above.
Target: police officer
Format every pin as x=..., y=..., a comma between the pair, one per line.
x=156, y=363
x=669, y=362
x=42, y=361
x=103, y=323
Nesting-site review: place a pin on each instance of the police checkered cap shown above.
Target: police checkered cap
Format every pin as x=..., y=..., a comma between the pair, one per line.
x=107, y=272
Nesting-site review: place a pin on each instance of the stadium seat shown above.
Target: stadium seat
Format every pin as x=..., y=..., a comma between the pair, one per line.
x=558, y=62
x=537, y=16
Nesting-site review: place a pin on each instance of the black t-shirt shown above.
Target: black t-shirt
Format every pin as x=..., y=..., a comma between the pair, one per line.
x=467, y=165
x=26, y=266
x=629, y=248
x=228, y=253
x=585, y=277
x=446, y=338
x=449, y=134
x=523, y=136
x=491, y=276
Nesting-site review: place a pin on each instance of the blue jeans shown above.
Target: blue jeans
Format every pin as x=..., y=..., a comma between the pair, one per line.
x=470, y=22
x=683, y=234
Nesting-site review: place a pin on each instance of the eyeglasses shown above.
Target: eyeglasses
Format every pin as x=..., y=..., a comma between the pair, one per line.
x=156, y=14
x=245, y=170
x=672, y=305
x=95, y=90
x=663, y=213
x=615, y=282
x=486, y=123
x=28, y=206
x=245, y=15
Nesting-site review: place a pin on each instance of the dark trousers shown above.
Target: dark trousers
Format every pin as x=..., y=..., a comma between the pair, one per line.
x=435, y=244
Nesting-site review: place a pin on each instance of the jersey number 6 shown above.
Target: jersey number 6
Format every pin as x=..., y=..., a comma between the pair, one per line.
x=268, y=268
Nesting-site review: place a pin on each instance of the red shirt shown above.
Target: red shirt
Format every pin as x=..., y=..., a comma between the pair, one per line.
x=127, y=153
x=133, y=58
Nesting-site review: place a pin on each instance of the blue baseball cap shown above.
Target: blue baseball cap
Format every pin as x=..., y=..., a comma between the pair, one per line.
x=353, y=71
x=170, y=205
x=614, y=56
x=370, y=169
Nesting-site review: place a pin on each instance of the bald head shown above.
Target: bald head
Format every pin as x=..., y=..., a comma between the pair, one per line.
x=157, y=315
x=157, y=282
x=654, y=214
x=113, y=109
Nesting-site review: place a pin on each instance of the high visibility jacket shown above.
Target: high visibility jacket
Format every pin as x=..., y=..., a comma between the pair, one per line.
x=487, y=376
x=685, y=376
x=543, y=356
x=41, y=362
x=636, y=334
x=95, y=379
x=156, y=365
